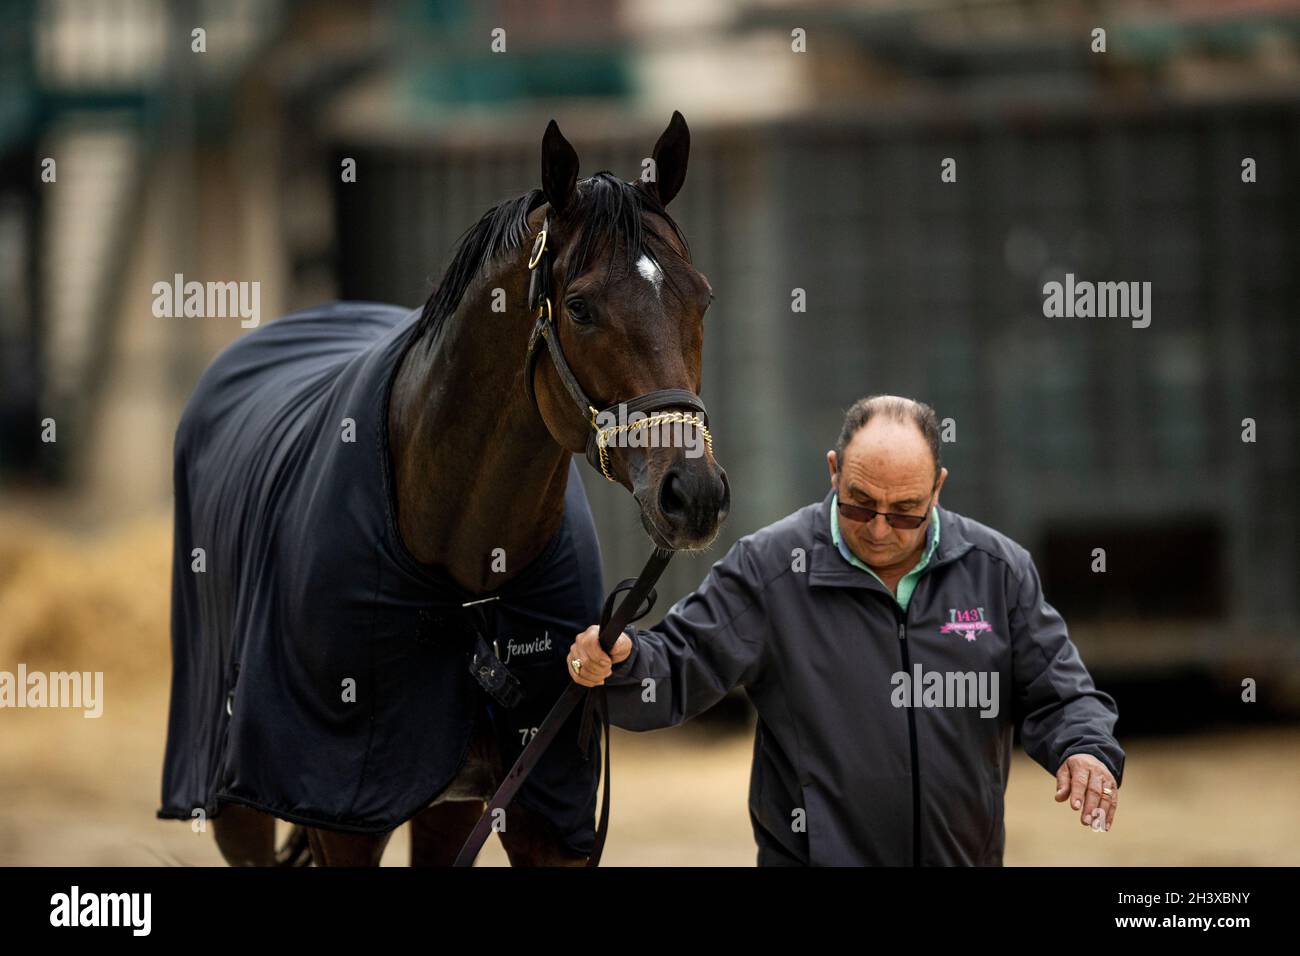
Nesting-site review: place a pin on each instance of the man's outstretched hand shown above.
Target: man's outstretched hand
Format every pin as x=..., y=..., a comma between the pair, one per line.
x=588, y=665
x=1084, y=780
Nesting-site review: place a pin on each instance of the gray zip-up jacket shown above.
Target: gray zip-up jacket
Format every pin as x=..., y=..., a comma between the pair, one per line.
x=843, y=774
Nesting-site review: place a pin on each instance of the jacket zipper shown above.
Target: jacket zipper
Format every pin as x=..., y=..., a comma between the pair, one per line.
x=900, y=616
x=911, y=739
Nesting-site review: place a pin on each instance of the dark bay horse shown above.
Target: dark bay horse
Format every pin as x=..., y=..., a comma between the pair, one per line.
x=479, y=466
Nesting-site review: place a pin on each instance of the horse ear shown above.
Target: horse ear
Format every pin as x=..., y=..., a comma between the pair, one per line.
x=559, y=168
x=670, y=155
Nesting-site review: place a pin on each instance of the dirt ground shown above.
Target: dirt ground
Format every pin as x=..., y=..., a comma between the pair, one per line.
x=82, y=792
x=77, y=791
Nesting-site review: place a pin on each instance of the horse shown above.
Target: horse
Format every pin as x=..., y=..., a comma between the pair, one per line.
x=468, y=415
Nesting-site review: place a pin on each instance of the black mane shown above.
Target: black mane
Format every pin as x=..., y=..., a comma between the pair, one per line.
x=609, y=210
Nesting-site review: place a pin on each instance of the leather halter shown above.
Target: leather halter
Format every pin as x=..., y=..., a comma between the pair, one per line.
x=540, y=267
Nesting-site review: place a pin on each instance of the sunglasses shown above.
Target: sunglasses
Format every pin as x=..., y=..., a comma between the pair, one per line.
x=894, y=520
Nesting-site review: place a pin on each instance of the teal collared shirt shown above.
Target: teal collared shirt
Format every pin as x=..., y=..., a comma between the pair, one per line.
x=908, y=582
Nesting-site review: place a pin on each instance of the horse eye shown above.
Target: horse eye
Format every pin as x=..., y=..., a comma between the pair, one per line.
x=577, y=309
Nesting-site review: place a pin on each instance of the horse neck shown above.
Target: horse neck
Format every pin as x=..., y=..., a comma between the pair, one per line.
x=475, y=467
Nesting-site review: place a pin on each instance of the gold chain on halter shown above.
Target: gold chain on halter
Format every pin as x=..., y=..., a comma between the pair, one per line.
x=659, y=418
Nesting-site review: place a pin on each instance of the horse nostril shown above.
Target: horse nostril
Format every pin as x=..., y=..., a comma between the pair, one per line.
x=694, y=501
x=672, y=500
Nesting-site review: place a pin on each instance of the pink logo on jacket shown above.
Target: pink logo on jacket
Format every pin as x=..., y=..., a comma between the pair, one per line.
x=966, y=622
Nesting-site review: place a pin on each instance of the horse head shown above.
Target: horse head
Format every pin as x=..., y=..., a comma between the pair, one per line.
x=614, y=360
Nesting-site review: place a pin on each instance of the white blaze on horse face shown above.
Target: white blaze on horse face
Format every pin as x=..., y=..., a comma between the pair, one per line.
x=650, y=272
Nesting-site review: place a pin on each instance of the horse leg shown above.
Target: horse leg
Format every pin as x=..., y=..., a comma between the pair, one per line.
x=529, y=841
x=245, y=837
x=333, y=848
x=439, y=831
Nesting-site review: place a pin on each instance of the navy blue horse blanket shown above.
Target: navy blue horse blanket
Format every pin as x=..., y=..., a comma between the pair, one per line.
x=319, y=672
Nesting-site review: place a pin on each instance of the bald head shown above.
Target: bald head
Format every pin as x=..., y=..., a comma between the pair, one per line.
x=916, y=417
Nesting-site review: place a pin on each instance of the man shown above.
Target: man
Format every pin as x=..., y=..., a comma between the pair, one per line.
x=890, y=647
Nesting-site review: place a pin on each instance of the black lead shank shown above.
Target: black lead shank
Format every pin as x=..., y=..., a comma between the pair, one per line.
x=639, y=591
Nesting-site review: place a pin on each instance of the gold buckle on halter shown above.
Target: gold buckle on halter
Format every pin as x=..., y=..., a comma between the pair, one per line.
x=539, y=247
